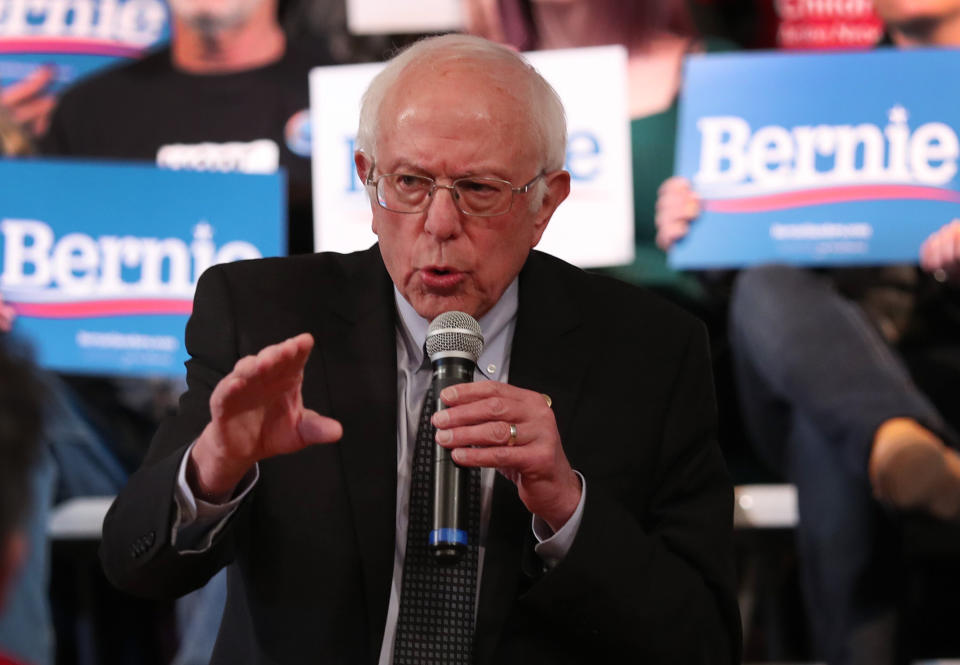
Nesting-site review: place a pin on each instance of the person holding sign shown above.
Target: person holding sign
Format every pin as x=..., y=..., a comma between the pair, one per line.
x=228, y=94
x=847, y=392
x=847, y=380
x=290, y=460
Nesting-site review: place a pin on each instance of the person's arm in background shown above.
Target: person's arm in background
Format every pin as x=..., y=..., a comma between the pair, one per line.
x=940, y=253
x=677, y=207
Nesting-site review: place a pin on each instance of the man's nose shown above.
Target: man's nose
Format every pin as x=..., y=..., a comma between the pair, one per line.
x=443, y=219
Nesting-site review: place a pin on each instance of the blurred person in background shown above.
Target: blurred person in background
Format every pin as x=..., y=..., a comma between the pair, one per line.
x=228, y=94
x=20, y=452
x=848, y=380
x=75, y=459
x=657, y=35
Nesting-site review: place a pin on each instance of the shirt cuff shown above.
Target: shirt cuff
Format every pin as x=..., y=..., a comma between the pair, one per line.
x=197, y=522
x=552, y=547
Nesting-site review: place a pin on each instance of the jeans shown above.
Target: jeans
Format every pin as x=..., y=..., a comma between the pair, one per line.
x=198, y=619
x=816, y=379
x=75, y=462
x=26, y=627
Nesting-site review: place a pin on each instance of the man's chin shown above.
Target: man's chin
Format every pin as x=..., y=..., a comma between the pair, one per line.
x=212, y=25
x=431, y=305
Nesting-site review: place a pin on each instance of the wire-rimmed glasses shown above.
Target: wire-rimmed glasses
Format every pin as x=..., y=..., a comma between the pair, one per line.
x=480, y=197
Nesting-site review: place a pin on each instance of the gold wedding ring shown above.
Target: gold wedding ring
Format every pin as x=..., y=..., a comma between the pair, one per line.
x=512, y=441
x=549, y=401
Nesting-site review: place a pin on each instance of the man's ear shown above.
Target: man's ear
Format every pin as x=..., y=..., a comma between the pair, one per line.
x=556, y=190
x=362, y=163
x=13, y=552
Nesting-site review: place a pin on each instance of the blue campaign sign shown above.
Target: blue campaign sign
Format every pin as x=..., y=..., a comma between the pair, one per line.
x=818, y=159
x=76, y=37
x=100, y=260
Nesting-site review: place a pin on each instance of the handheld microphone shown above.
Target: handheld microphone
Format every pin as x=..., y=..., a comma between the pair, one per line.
x=454, y=343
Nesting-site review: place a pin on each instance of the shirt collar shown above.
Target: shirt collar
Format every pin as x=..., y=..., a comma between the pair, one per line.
x=413, y=327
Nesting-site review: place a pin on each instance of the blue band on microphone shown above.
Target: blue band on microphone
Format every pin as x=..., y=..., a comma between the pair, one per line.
x=448, y=536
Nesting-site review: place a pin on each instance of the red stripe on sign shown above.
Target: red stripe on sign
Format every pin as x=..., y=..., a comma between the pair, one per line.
x=810, y=197
x=70, y=46
x=93, y=308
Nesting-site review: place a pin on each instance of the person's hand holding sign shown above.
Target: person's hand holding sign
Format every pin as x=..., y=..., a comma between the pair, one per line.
x=677, y=206
x=940, y=252
x=29, y=102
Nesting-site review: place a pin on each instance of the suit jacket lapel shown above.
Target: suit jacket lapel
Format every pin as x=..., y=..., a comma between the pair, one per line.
x=540, y=360
x=359, y=352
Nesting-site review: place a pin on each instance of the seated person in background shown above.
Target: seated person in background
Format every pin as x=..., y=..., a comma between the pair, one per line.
x=461, y=146
x=848, y=380
x=20, y=424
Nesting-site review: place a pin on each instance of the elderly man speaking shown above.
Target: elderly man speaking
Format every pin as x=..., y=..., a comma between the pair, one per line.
x=600, y=508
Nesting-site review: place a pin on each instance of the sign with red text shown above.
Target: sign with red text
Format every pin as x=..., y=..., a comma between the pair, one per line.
x=827, y=24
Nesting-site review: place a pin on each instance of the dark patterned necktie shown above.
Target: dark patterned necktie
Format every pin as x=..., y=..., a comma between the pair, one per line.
x=436, y=619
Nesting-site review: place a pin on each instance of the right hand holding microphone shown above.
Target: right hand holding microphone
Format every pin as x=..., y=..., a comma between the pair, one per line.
x=677, y=206
x=257, y=412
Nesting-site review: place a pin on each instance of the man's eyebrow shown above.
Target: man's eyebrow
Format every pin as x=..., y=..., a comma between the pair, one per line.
x=487, y=171
x=408, y=167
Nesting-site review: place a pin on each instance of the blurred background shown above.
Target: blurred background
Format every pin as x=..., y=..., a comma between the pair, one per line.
x=223, y=87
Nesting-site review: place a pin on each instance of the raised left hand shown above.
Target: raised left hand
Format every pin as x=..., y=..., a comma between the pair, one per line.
x=480, y=414
x=941, y=251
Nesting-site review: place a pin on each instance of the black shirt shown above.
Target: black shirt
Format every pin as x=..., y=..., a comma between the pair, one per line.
x=242, y=121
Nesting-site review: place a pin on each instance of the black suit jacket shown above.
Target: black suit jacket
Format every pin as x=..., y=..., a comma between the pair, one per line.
x=310, y=551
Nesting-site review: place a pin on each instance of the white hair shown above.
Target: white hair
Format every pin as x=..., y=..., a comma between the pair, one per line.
x=543, y=105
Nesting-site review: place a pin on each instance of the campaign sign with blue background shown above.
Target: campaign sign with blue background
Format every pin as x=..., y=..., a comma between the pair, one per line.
x=830, y=159
x=100, y=260
x=76, y=37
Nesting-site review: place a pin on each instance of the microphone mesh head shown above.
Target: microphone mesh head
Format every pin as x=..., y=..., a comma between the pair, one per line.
x=454, y=333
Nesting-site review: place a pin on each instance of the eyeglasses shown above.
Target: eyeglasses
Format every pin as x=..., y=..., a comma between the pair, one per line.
x=480, y=197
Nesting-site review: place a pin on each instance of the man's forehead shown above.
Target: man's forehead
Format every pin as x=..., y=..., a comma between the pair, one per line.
x=475, y=82
x=453, y=94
